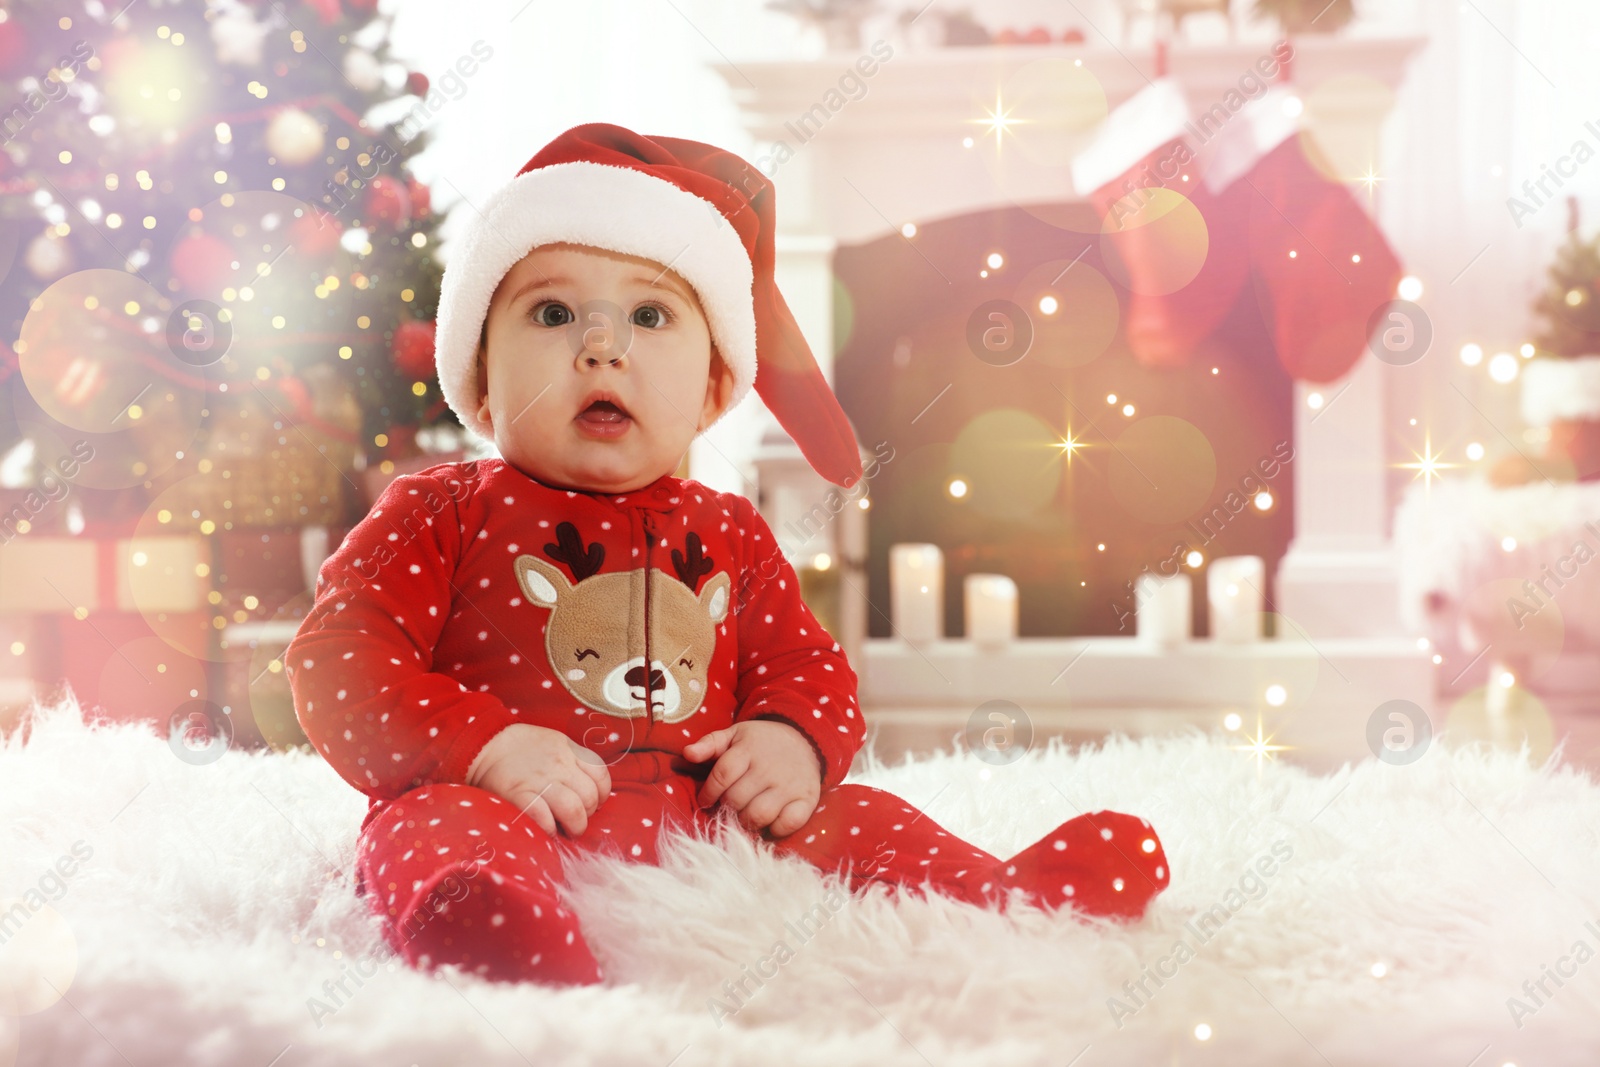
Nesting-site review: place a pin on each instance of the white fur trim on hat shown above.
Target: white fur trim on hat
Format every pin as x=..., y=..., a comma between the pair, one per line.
x=1560, y=389
x=615, y=208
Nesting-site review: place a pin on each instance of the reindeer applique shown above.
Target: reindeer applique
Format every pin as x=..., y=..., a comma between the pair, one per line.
x=597, y=620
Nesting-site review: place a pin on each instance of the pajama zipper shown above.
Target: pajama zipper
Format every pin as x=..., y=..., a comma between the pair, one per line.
x=649, y=664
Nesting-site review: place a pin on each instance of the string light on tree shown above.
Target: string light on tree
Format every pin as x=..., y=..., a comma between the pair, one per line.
x=1504, y=368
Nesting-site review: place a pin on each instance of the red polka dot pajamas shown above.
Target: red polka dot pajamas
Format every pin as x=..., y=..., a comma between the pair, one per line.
x=473, y=598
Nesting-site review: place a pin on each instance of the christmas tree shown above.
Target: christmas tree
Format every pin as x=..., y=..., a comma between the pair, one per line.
x=1570, y=303
x=209, y=219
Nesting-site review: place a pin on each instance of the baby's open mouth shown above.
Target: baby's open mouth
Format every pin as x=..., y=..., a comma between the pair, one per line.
x=604, y=417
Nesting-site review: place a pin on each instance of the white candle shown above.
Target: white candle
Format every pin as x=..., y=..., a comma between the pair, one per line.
x=916, y=591
x=991, y=608
x=1234, y=587
x=1162, y=613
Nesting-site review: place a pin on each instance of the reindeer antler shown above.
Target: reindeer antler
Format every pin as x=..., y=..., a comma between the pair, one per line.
x=569, y=549
x=691, y=563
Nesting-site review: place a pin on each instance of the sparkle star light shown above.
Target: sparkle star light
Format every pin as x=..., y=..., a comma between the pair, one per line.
x=1370, y=179
x=1260, y=746
x=1069, y=445
x=999, y=120
x=1428, y=464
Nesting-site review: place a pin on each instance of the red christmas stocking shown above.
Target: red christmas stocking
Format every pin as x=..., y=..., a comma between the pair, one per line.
x=1178, y=249
x=1321, y=267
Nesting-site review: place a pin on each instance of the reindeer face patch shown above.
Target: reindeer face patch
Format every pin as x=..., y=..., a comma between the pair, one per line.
x=595, y=636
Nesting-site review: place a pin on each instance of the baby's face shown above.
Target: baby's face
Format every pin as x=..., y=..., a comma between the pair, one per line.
x=598, y=368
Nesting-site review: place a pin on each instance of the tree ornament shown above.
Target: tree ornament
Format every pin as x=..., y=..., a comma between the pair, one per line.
x=294, y=137
x=412, y=349
x=202, y=262
x=328, y=11
x=48, y=257
x=363, y=70
x=237, y=37
x=417, y=83
x=421, y=198
x=386, y=201
x=13, y=46
x=315, y=235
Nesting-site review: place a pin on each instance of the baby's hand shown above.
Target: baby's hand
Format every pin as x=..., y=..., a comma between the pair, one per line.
x=545, y=773
x=766, y=771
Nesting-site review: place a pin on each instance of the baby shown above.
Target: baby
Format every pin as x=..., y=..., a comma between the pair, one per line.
x=571, y=648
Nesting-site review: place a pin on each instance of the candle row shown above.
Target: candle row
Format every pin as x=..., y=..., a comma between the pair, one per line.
x=1162, y=609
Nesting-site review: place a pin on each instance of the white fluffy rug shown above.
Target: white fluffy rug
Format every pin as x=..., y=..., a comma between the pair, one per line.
x=213, y=905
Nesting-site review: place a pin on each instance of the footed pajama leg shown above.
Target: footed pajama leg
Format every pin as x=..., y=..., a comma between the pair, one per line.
x=460, y=878
x=1103, y=863
x=875, y=836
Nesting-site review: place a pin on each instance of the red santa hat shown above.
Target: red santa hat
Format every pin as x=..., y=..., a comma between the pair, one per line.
x=702, y=211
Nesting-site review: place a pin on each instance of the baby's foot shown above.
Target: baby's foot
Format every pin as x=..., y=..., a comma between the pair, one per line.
x=505, y=930
x=1102, y=863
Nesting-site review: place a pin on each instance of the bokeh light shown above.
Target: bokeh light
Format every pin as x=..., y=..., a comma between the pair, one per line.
x=1521, y=623
x=1163, y=232
x=1010, y=462
x=1078, y=308
x=93, y=354
x=1162, y=469
x=1503, y=718
x=38, y=958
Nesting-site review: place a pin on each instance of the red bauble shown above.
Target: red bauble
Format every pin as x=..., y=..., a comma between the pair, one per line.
x=421, y=198
x=1008, y=36
x=387, y=202
x=417, y=83
x=298, y=396
x=412, y=349
x=1073, y=36
x=119, y=55
x=327, y=11
x=315, y=236
x=202, y=263
x=1037, y=35
x=13, y=48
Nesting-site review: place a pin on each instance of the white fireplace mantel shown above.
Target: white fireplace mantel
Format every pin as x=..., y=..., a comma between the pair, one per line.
x=894, y=154
x=899, y=144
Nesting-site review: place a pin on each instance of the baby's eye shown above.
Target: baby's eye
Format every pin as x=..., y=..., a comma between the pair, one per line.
x=542, y=314
x=585, y=653
x=687, y=662
x=652, y=316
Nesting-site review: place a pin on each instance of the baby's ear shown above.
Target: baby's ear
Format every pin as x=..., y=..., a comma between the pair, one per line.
x=481, y=362
x=719, y=389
